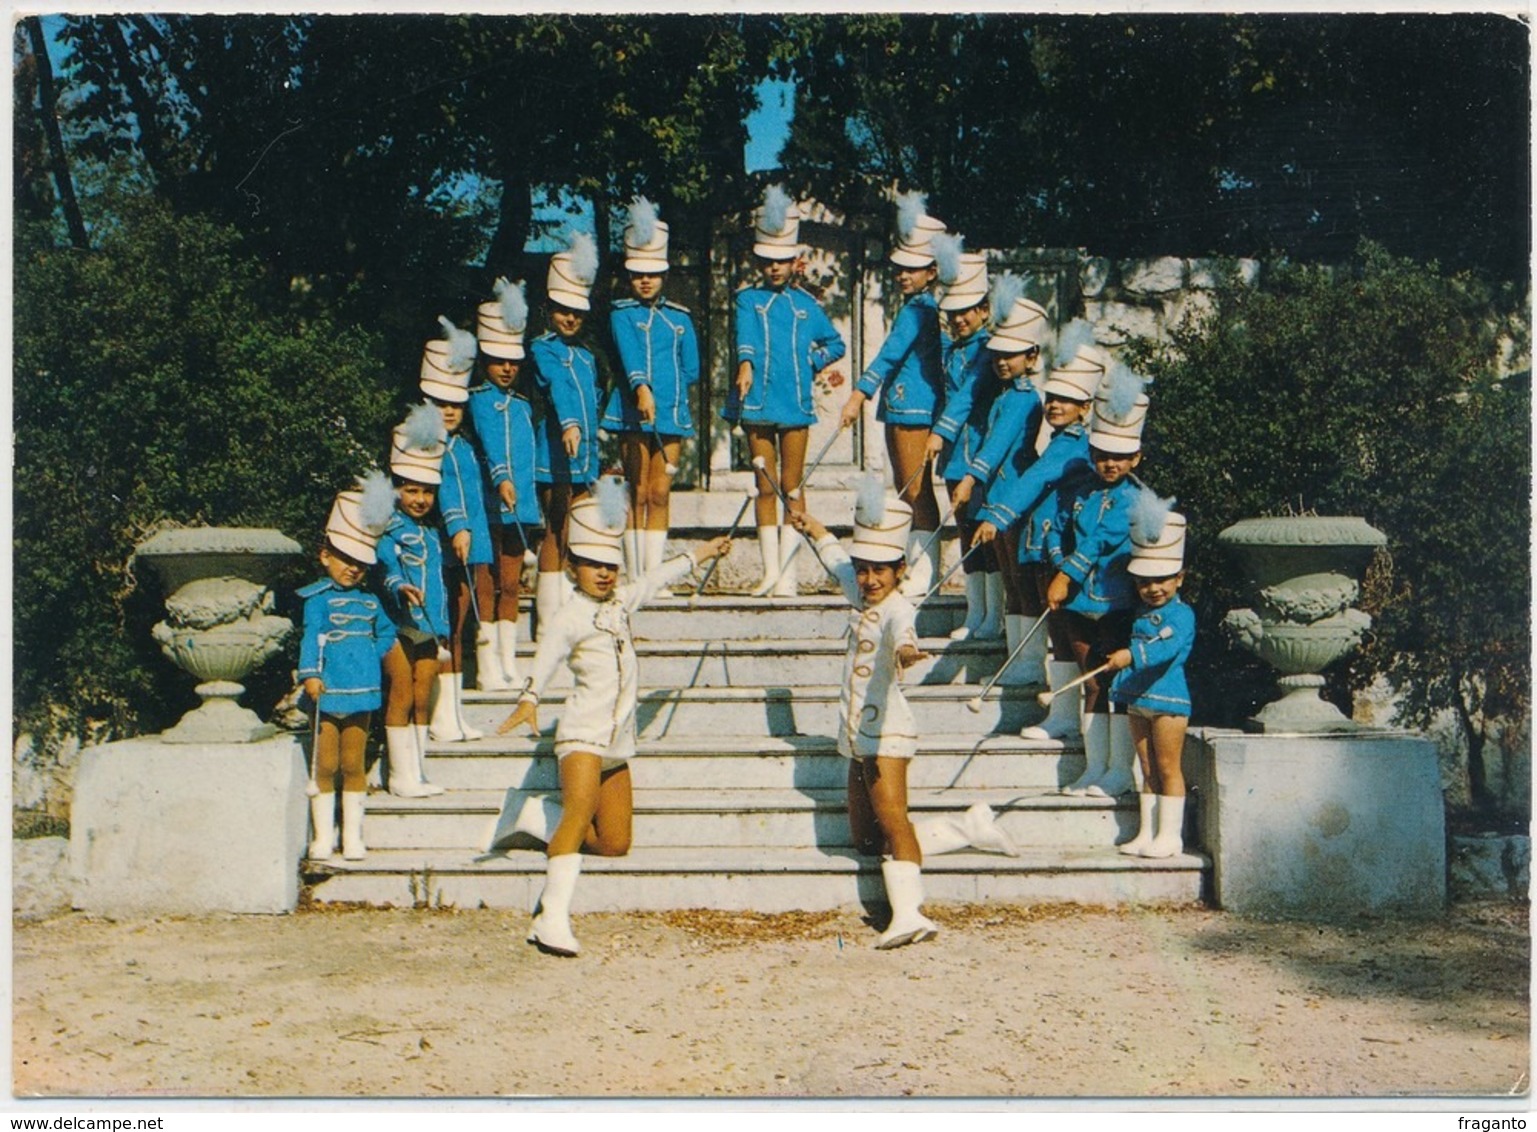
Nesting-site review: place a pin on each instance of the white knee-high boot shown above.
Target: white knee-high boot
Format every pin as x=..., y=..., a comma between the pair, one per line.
x=653, y=548
x=1029, y=665
x=448, y=724
x=904, y=891
x=1096, y=752
x=323, y=818
x=489, y=675
x=977, y=828
x=940, y=835
x=1147, y=809
x=538, y=818
x=352, y=825
x=768, y=547
x=976, y=607
x=1062, y=716
x=1170, y=840
x=991, y=628
x=922, y=563
x=507, y=645
x=405, y=765
x=551, y=928
x=1118, y=778
x=629, y=546
x=790, y=541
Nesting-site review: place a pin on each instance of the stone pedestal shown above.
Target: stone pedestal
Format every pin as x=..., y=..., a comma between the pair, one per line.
x=171, y=828
x=1322, y=826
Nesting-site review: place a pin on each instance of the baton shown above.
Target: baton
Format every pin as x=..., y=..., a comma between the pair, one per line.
x=975, y=703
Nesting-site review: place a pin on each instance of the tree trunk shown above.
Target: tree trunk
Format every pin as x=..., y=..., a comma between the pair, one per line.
x=505, y=255
x=48, y=107
x=140, y=102
x=1478, y=773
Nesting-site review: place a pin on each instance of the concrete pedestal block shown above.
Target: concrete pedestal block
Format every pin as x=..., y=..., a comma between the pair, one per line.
x=1322, y=826
x=171, y=828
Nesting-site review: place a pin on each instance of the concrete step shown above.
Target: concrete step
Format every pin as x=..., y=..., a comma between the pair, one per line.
x=742, y=715
x=739, y=618
x=785, y=762
x=766, y=818
x=769, y=663
x=654, y=878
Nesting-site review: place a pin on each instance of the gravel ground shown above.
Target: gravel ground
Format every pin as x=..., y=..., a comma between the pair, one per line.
x=1051, y=1001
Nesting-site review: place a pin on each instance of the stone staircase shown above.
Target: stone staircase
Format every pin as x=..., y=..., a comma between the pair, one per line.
x=739, y=789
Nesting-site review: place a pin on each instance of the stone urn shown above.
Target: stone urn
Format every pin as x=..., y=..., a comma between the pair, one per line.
x=219, y=624
x=1307, y=570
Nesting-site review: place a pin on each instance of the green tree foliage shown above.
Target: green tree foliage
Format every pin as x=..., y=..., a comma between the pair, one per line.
x=1367, y=390
x=1178, y=134
x=156, y=381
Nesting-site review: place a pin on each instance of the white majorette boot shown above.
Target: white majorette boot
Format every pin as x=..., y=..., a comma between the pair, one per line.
x=653, y=547
x=1062, y=714
x=489, y=676
x=1170, y=841
x=922, y=563
x=904, y=891
x=768, y=547
x=1096, y=752
x=507, y=646
x=447, y=724
x=976, y=607
x=983, y=831
x=352, y=825
x=991, y=628
x=788, y=583
x=323, y=818
x=538, y=817
x=1118, y=778
x=629, y=548
x=549, y=595
x=1147, y=807
x=1029, y=665
x=406, y=765
x=939, y=835
x=551, y=929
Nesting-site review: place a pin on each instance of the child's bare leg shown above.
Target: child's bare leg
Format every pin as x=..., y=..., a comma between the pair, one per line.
x=458, y=615
x=1007, y=554
x=485, y=593
x=657, y=484
x=887, y=783
x=792, y=465
x=397, y=686
x=424, y=678
x=556, y=499
x=580, y=781
x=1168, y=746
x=1142, y=743
x=354, y=739
x=908, y=448
x=612, y=822
x=509, y=572
x=866, y=831
x=1147, y=798
x=328, y=753
x=634, y=456
x=761, y=445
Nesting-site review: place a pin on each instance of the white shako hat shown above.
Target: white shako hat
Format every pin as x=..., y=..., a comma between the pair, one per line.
x=915, y=231
x=1162, y=556
x=776, y=226
x=1079, y=376
x=1120, y=411
x=596, y=523
x=348, y=533
x=645, y=239
x=881, y=526
x=500, y=323
x=970, y=285
x=447, y=364
x=412, y=460
x=572, y=274
x=1024, y=325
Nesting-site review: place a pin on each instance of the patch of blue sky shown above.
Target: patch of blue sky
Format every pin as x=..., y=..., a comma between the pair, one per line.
x=768, y=126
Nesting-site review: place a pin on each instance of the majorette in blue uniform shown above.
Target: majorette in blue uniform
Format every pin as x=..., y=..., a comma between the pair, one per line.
x=346, y=634
x=657, y=347
x=504, y=420
x=566, y=375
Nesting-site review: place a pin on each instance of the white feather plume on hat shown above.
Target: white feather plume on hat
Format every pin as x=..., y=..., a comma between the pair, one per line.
x=423, y=426
x=378, y=502
x=462, y=346
x=911, y=208
x=1006, y=289
x=584, y=258
x=643, y=218
x=1122, y=387
x=870, y=500
x=613, y=500
x=514, y=304
x=1148, y=515
x=776, y=208
x=1079, y=332
x=947, y=256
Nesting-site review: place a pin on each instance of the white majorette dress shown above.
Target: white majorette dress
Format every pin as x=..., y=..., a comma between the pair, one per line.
x=593, y=637
x=875, y=718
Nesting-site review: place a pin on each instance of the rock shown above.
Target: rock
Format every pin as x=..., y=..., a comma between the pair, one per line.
x=1093, y=276
x=1153, y=276
x=39, y=877
x=1489, y=865
x=1210, y=274
x=1116, y=323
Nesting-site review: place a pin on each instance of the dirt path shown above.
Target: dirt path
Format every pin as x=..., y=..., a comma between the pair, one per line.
x=1051, y=1001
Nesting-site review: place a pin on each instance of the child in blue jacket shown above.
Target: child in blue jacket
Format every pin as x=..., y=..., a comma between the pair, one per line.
x=1150, y=677
x=345, y=638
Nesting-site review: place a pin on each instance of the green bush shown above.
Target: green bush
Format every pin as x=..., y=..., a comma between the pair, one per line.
x=160, y=378
x=1371, y=390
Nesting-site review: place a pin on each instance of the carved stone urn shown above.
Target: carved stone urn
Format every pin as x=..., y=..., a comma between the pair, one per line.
x=219, y=624
x=1307, y=570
